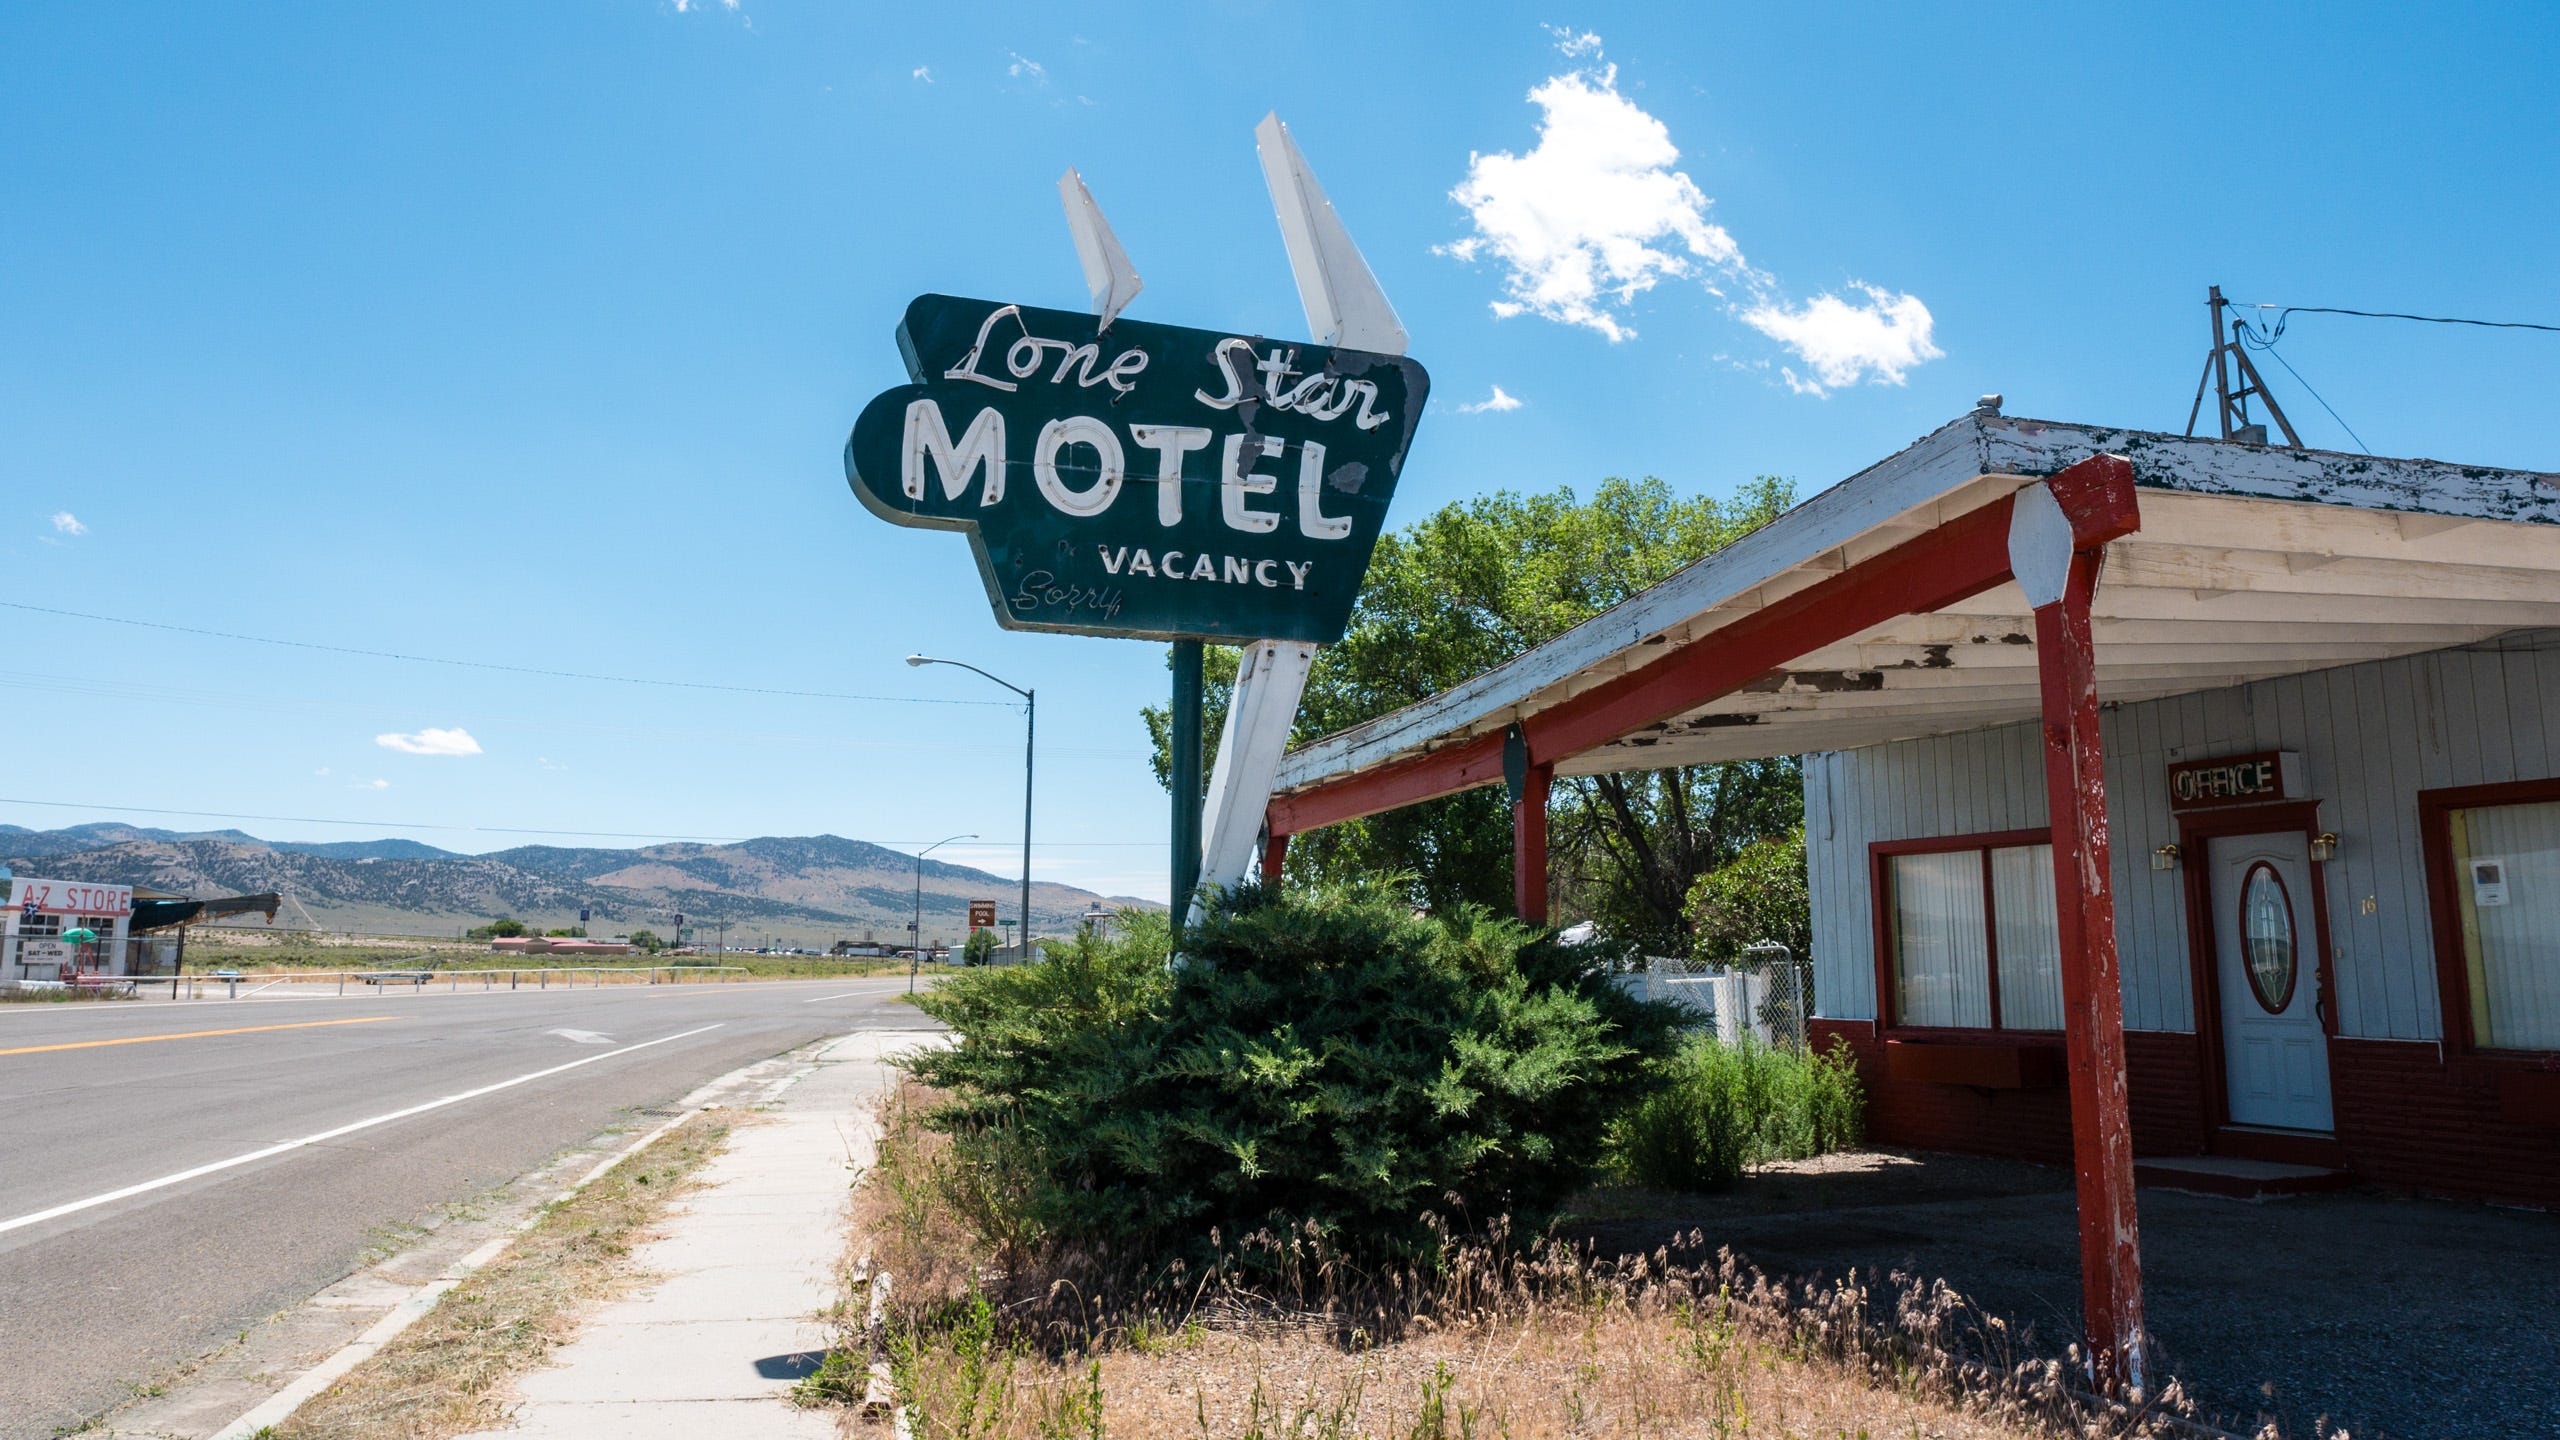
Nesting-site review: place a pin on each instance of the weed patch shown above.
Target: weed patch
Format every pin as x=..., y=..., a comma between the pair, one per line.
x=1724, y=1108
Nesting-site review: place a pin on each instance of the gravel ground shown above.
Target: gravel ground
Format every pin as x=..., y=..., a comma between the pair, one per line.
x=2397, y=1318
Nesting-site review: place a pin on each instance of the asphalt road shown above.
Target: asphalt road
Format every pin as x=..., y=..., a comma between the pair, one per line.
x=130, y=1242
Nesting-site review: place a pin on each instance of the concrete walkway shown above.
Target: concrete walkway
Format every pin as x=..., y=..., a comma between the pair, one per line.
x=745, y=1263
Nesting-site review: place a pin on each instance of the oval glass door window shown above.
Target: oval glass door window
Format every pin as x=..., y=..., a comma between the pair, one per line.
x=2266, y=937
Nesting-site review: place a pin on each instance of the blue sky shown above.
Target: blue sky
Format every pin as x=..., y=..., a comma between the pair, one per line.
x=530, y=335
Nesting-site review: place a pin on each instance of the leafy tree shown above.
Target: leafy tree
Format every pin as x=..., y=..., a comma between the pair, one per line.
x=1471, y=586
x=501, y=928
x=568, y=932
x=1760, y=895
x=979, y=948
x=1629, y=848
x=646, y=941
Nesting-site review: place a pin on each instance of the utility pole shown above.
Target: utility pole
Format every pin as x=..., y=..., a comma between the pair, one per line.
x=2232, y=406
x=1030, y=722
x=915, y=926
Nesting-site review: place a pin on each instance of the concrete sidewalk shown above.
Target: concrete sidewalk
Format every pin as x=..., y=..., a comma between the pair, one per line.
x=744, y=1264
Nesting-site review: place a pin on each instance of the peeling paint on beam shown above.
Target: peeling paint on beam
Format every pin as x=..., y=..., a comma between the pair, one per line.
x=2018, y=446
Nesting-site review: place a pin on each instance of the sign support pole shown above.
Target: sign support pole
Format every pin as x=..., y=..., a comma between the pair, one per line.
x=1186, y=778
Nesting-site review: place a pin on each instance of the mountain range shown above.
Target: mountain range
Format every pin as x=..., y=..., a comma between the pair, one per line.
x=798, y=889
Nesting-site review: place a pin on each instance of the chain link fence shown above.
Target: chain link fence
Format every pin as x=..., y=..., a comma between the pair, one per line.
x=1766, y=996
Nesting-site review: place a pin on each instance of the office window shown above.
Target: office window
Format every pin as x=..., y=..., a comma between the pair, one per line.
x=2501, y=892
x=1970, y=930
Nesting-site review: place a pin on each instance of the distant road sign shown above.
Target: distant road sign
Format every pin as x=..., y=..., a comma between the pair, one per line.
x=982, y=914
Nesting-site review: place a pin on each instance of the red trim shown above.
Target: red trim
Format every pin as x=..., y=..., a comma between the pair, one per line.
x=1962, y=558
x=1275, y=853
x=1997, y=1064
x=2197, y=829
x=1529, y=846
x=1447, y=771
x=1880, y=907
x=2453, y=971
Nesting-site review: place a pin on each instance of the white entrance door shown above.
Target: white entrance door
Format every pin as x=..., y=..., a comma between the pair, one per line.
x=2266, y=940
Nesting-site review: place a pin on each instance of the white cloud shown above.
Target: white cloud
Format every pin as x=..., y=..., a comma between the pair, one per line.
x=682, y=6
x=1845, y=341
x=1499, y=401
x=371, y=785
x=323, y=770
x=1026, y=68
x=1585, y=43
x=923, y=73
x=431, y=741
x=66, y=523
x=1595, y=214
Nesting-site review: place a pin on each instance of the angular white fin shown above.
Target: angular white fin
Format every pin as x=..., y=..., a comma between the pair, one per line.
x=1270, y=677
x=1343, y=302
x=1107, y=271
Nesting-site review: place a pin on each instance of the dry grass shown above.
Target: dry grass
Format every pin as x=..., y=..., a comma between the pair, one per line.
x=1611, y=1372
x=448, y=1374
x=1497, y=1340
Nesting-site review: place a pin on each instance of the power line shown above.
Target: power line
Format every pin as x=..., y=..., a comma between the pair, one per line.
x=519, y=830
x=488, y=664
x=2248, y=332
x=2287, y=310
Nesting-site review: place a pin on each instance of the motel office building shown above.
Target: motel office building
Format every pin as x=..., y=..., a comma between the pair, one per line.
x=2320, y=695
x=2337, y=902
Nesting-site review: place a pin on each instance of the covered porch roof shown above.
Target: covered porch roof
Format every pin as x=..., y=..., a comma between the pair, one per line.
x=2245, y=562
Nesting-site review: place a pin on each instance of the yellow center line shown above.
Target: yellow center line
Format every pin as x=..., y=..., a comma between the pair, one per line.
x=193, y=1035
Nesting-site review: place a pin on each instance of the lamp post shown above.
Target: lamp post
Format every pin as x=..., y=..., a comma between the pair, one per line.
x=1030, y=719
x=915, y=927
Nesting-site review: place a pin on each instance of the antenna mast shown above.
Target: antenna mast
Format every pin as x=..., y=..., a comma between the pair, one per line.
x=2234, y=404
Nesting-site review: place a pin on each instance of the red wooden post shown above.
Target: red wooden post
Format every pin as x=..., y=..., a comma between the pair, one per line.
x=2060, y=578
x=1529, y=846
x=1275, y=848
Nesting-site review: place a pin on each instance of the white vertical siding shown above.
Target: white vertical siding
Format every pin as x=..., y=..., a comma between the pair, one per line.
x=2371, y=737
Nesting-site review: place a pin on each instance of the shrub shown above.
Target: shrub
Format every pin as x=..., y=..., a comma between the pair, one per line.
x=1724, y=1107
x=1330, y=1066
x=979, y=949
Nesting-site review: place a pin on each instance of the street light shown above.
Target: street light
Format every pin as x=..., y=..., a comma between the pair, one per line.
x=1030, y=718
x=915, y=927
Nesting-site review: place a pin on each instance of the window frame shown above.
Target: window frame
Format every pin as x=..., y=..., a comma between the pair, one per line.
x=1880, y=857
x=2292, y=938
x=2444, y=907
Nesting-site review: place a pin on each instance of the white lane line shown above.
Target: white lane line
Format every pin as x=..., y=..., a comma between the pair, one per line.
x=254, y=1156
x=848, y=995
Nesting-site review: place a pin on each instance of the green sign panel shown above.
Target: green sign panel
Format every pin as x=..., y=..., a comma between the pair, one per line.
x=1144, y=481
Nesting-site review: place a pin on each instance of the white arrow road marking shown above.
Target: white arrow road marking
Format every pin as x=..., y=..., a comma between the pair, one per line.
x=254, y=1156
x=581, y=1037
